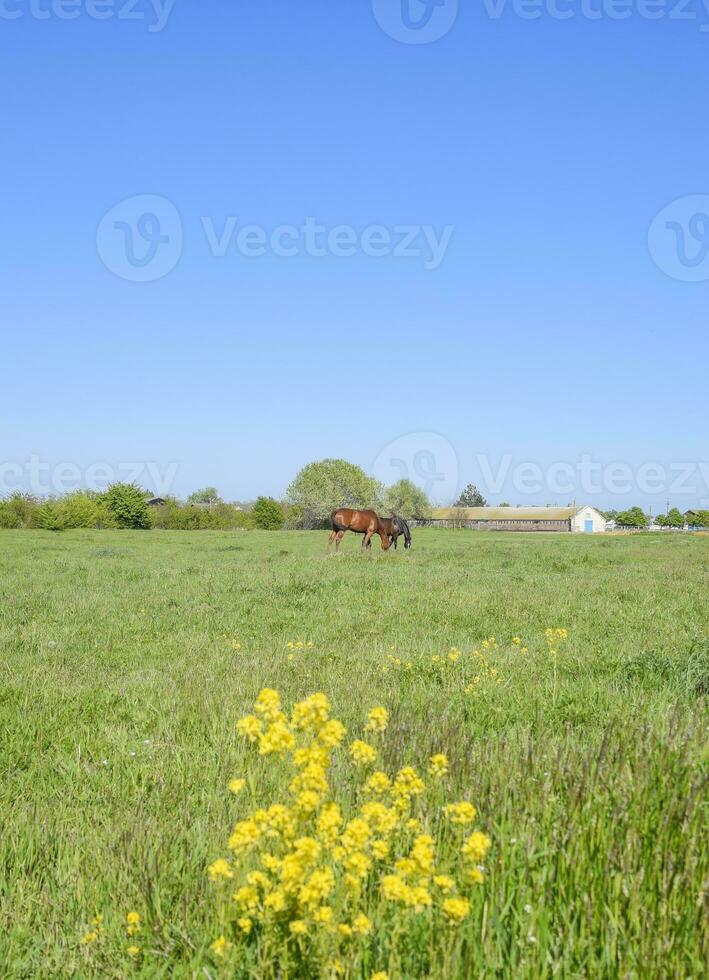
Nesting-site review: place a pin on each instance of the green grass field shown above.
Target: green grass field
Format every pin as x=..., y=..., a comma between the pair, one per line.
x=122, y=685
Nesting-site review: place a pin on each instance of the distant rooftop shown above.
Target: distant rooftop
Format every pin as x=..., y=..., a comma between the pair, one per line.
x=503, y=513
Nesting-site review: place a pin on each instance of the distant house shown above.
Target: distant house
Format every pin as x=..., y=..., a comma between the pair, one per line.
x=156, y=501
x=584, y=519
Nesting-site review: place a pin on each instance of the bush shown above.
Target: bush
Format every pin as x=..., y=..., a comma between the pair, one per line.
x=174, y=516
x=79, y=509
x=127, y=504
x=17, y=510
x=49, y=516
x=268, y=514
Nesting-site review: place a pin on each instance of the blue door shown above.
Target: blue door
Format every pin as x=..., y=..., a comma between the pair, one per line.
x=588, y=525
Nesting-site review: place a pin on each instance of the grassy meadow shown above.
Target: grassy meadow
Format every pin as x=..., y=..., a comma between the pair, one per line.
x=129, y=656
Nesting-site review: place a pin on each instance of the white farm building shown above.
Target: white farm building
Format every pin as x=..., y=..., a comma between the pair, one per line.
x=585, y=519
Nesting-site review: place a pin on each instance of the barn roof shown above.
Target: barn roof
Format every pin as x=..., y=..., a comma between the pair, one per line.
x=503, y=513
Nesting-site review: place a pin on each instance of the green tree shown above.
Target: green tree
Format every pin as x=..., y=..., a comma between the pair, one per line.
x=673, y=519
x=634, y=517
x=319, y=488
x=408, y=500
x=268, y=514
x=127, y=505
x=697, y=518
x=471, y=497
x=206, y=497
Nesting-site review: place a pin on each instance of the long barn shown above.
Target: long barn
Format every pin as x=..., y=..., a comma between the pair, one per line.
x=584, y=519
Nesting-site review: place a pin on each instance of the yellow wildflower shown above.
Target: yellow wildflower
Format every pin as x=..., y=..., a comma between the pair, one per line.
x=362, y=752
x=250, y=727
x=476, y=847
x=275, y=901
x=245, y=924
x=461, y=813
x=408, y=783
x=380, y=849
x=220, y=946
x=438, y=766
x=298, y=927
x=268, y=705
x=312, y=713
x=277, y=738
x=456, y=909
x=444, y=882
x=218, y=869
x=378, y=783
x=379, y=975
x=245, y=833
x=133, y=951
x=236, y=785
x=332, y=733
x=377, y=720
x=323, y=915
x=361, y=925
x=89, y=937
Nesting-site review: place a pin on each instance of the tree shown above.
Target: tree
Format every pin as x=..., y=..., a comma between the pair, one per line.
x=319, y=488
x=408, y=500
x=471, y=497
x=673, y=519
x=127, y=505
x=631, y=518
x=503, y=504
x=697, y=518
x=268, y=514
x=206, y=497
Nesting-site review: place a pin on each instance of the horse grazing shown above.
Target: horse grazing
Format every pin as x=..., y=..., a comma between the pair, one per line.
x=394, y=526
x=366, y=522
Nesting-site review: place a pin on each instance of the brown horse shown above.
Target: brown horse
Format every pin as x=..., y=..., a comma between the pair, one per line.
x=364, y=522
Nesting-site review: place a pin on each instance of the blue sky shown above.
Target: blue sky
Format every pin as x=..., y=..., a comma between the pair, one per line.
x=548, y=332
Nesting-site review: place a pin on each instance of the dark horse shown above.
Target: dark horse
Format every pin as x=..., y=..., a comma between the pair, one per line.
x=364, y=522
x=394, y=526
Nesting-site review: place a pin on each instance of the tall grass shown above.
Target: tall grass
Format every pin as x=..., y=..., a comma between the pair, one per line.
x=130, y=656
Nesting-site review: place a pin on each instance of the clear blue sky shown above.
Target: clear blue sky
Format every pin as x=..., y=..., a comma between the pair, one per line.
x=546, y=332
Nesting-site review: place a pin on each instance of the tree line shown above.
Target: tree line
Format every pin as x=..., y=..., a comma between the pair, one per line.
x=317, y=490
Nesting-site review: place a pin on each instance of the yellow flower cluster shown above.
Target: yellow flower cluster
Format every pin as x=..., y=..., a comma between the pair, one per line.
x=554, y=638
x=325, y=875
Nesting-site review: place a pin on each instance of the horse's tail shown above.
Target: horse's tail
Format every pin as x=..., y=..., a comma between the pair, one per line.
x=406, y=530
